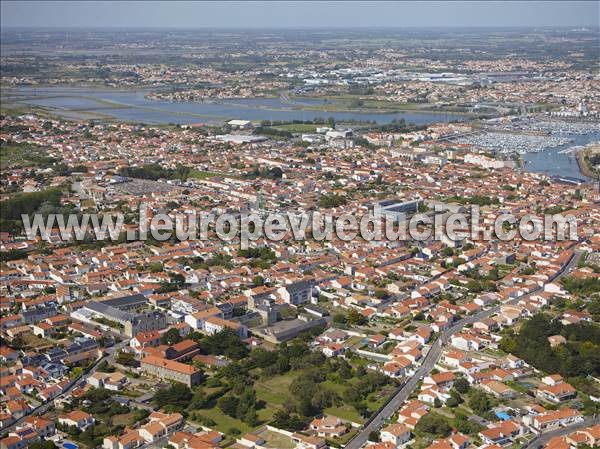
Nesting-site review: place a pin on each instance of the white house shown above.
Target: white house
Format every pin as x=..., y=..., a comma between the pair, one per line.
x=396, y=434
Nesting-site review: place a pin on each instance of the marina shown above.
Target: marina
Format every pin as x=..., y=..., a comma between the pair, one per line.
x=544, y=145
x=507, y=143
x=560, y=161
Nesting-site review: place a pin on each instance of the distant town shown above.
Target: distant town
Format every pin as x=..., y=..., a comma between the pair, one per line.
x=436, y=343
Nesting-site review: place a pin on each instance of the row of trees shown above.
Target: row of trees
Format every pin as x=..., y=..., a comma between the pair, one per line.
x=267, y=173
x=479, y=200
x=155, y=171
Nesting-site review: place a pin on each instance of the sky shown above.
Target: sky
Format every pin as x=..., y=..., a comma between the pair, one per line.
x=293, y=14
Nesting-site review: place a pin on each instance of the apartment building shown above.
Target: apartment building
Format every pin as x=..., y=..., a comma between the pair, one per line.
x=171, y=370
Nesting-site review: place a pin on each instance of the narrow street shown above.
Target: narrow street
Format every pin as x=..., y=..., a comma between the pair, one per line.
x=429, y=362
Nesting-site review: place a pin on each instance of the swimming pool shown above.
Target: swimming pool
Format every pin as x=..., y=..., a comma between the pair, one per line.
x=69, y=445
x=503, y=416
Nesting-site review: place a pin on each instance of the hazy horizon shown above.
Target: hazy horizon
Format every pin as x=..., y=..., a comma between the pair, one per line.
x=298, y=15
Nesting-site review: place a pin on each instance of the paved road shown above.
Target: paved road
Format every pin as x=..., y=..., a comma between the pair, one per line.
x=546, y=437
x=429, y=362
x=108, y=355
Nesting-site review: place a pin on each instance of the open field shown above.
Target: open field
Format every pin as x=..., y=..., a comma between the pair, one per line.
x=35, y=342
x=276, y=389
x=23, y=155
x=362, y=103
x=125, y=419
x=223, y=422
x=298, y=127
x=276, y=440
x=201, y=174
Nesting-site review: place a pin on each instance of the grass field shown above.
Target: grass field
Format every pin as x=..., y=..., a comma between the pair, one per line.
x=276, y=440
x=345, y=412
x=23, y=155
x=378, y=398
x=35, y=342
x=200, y=174
x=225, y=423
x=125, y=419
x=333, y=386
x=10, y=108
x=355, y=339
x=521, y=387
x=298, y=127
x=275, y=390
x=343, y=440
x=89, y=203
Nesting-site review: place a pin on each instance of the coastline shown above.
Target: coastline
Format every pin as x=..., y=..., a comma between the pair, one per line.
x=585, y=169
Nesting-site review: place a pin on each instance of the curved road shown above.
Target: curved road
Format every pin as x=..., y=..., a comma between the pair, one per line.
x=429, y=362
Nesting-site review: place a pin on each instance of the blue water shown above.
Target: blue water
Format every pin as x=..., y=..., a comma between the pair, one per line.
x=552, y=163
x=503, y=416
x=134, y=107
x=70, y=446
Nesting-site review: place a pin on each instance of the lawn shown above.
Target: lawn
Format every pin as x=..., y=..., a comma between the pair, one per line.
x=131, y=393
x=338, y=388
x=275, y=392
x=343, y=440
x=464, y=409
x=89, y=203
x=355, y=339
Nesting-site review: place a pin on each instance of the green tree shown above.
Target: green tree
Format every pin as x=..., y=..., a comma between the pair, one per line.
x=171, y=337
x=462, y=385
x=339, y=318
x=228, y=405
x=480, y=402
x=176, y=397
x=354, y=317
x=257, y=281
x=434, y=424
